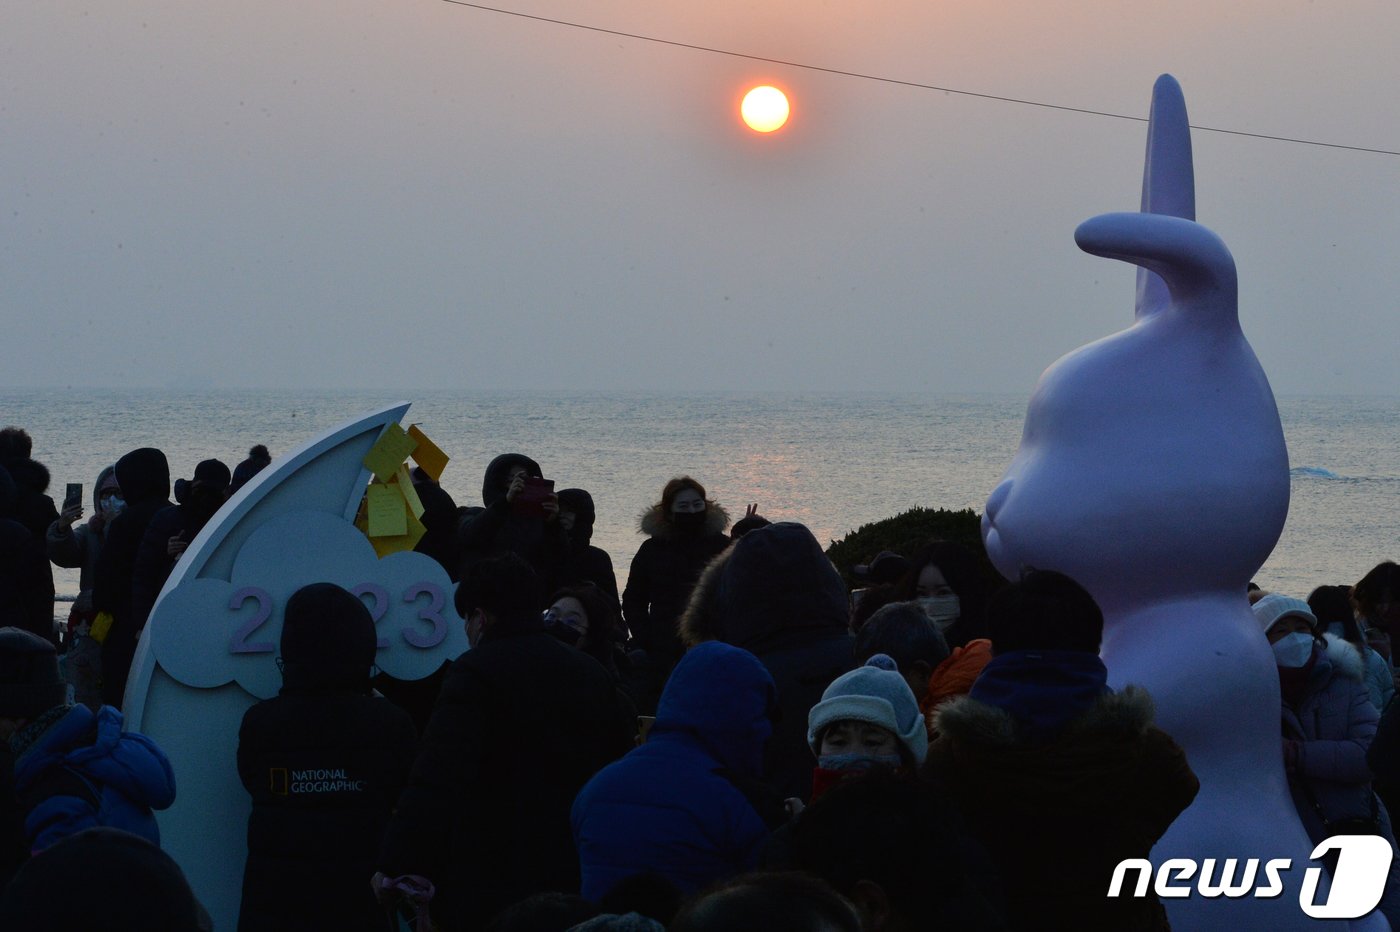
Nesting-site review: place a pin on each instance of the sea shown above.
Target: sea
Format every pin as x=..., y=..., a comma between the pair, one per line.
x=832, y=461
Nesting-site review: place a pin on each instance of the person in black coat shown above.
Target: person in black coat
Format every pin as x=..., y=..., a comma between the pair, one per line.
x=584, y=563
x=144, y=477
x=523, y=722
x=686, y=532
x=26, y=580
x=506, y=526
x=777, y=595
x=172, y=529
x=35, y=511
x=324, y=762
x=440, y=520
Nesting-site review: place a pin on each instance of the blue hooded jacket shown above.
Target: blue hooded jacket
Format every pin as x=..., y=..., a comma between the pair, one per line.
x=84, y=771
x=668, y=807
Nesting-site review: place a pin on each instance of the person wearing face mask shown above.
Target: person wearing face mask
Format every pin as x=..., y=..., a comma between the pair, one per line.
x=79, y=547
x=584, y=563
x=1328, y=719
x=1329, y=725
x=946, y=581
x=685, y=531
x=868, y=719
x=585, y=618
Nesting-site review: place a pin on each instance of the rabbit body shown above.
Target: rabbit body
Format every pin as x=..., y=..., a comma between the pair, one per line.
x=1153, y=470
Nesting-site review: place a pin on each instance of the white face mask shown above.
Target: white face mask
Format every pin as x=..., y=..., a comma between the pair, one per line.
x=1293, y=651
x=943, y=609
x=112, y=506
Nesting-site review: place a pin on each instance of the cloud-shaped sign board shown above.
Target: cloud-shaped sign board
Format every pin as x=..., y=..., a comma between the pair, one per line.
x=210, y=647
x=211, y=631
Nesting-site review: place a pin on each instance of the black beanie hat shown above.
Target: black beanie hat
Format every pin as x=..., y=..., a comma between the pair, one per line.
x=213, y=472
x=29, y=680
x=328, y=639
x=1044, y=610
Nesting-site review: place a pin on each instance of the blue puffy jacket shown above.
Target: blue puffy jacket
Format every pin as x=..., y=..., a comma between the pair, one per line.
x=670, y=806
x=84, y=771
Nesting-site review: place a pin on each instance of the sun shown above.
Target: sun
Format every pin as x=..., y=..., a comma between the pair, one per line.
x=764, y=109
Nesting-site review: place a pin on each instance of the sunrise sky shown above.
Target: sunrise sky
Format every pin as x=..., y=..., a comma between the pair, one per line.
x=422, y=194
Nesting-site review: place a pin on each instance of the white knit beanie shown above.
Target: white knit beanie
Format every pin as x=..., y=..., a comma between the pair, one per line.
x=875, y=694
x=1272, y=609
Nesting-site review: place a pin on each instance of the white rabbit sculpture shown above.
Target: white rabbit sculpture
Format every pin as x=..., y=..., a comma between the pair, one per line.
x=1152, y=469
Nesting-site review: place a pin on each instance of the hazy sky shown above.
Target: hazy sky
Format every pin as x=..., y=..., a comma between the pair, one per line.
x=419, y=194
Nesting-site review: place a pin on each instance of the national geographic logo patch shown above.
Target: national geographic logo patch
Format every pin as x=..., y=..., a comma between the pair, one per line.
x=292, y=782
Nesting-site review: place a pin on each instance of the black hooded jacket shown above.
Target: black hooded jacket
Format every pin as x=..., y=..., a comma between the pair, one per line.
x=584, y=562
x=324, y=762
x=26, y=579
x=144, y=477
x=523, y=722
x=499, y=529
x=777, y=595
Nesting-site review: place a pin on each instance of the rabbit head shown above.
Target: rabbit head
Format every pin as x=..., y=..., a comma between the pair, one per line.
x=1152, y=462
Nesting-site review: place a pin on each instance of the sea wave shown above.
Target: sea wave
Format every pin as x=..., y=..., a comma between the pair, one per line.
x=1313, y=472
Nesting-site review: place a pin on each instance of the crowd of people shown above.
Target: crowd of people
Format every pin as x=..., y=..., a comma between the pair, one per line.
x=734, y=739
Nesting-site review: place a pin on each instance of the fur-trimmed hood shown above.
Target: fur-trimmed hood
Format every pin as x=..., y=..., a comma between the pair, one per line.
x=1127, y=713
x=30, y=475
x=655, y=522
x=1345, y=659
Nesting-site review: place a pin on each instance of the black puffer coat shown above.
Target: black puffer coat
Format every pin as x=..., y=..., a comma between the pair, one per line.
x=26, y=579
x=523, y=722
x=777, y=595
x=661, y=578
x=584, y=562
x=324, y=762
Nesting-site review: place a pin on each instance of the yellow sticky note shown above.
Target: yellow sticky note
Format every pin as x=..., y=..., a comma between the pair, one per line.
x=428, y=454
x=410, y=494
x=389, y=452
x=387, y=516
x=383, y=546
x=416, y=530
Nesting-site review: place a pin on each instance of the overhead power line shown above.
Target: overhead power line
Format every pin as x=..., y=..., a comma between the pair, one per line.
x=902, y=83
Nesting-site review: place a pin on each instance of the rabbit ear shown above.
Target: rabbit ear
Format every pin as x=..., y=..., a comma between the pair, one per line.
x=1168, y=178
x=1194, y=266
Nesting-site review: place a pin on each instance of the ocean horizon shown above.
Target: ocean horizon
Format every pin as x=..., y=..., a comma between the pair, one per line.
x=831, y=460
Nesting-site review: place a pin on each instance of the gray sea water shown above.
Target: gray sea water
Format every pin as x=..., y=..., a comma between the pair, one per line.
x=830, y=461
